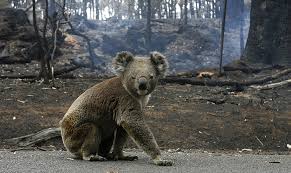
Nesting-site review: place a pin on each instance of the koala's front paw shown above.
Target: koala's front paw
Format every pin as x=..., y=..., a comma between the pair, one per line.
x=94, y=158
x=161, y=162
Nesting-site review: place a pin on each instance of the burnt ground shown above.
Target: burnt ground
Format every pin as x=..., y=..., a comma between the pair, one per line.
x=180, y=116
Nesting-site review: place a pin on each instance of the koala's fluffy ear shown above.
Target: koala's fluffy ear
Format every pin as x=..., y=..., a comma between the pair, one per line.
x=121, y=60
x=160, y=62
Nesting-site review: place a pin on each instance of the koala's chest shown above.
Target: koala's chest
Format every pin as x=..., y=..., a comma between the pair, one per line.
x=144, y=101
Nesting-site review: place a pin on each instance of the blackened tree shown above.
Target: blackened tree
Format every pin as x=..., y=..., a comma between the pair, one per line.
x=270, y=34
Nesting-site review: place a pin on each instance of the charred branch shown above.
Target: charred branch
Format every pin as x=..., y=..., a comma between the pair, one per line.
x=273, y=85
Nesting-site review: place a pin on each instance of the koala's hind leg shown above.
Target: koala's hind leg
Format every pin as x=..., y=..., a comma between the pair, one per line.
x=82, y=141
x=120, y=138
x=90, y=146
x=105, y=146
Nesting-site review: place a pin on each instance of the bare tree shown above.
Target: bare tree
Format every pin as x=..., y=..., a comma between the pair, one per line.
x=42, y=45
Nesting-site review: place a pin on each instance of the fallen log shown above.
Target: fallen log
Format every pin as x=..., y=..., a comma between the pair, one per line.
x=212, y=82
x=34, y=76
x=268, y=78
x=35, y=138
x=196, y=81
x=9, y=59
x=65, y=70
x=18, y=76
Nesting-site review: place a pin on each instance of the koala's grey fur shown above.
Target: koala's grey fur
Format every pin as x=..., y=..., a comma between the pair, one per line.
x=106, y=114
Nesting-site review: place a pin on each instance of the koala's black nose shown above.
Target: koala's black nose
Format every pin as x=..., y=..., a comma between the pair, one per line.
x=142, y=84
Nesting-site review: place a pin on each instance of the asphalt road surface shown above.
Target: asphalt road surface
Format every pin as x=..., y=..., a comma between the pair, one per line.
x=59, y=161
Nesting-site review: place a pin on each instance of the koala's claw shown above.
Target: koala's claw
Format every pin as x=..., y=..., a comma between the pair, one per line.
x=121, y=157
x=128, y=158
x=163, y=162
x=94, y=158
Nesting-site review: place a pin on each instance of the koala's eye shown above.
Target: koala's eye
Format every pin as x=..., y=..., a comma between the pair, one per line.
x=132, y=77
x=151, y=77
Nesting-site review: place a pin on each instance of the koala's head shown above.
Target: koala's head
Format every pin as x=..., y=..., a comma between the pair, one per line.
x=140, y=75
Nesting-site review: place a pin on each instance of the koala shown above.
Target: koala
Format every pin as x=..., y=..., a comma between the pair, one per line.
x=98, y=123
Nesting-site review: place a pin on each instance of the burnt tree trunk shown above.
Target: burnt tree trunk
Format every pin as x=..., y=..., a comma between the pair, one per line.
x=142, y=8
x=222, y=36
x=130, y=9
x=242, y=27
x=270, y=34
x=217, y=9
x=207, y=9
x=159, y=10
x=84, y=8
x=197, y=9
x=97, y=9
x=181, y=10
x=42, y=52
x=175, y=9
x=148, y=27
x=166, y=10
x=192, y=9
x=185, y=12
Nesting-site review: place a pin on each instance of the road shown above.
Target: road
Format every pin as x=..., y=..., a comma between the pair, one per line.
x=185, y=162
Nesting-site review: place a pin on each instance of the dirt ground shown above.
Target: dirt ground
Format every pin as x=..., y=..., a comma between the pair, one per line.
x=180, y=116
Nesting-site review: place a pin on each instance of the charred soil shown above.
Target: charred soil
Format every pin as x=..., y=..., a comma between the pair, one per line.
x=180, y=116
